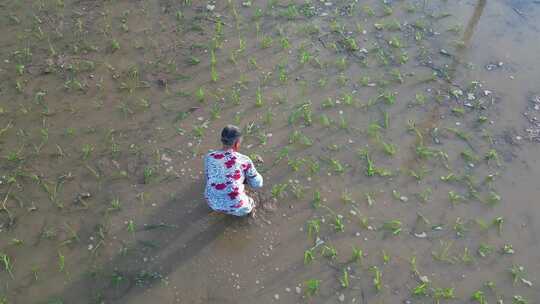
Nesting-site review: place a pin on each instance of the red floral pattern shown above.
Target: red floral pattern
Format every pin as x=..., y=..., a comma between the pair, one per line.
x=226, y=173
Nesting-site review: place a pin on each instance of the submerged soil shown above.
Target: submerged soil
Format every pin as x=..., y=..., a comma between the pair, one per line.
x=399, y=141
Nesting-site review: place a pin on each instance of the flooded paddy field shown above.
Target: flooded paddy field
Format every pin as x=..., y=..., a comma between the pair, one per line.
x=399, y=138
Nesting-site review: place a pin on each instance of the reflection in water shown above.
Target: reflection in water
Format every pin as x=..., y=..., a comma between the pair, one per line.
x=471, y=26
x=433, y=118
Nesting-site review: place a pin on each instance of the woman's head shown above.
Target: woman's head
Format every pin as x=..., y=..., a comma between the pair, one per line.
x=231, y=137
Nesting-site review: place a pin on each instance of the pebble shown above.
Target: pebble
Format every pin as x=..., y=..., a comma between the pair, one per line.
x=298, y=290
x=276, y=296
x=287, y=289
x=341, y=298
x=421, y=235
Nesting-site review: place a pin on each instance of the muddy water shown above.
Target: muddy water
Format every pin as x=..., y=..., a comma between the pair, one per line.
x=106, y=110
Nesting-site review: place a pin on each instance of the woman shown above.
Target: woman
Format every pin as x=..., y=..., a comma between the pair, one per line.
x=227, y=173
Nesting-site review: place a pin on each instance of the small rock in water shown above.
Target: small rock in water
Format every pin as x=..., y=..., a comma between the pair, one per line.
x=341, y=298
x=527, y=282
x=287, y=289
x=276, y=296
x=81, y=196
x=421, y=235
x=298, y=290
x=445, y=52
x=404, y=199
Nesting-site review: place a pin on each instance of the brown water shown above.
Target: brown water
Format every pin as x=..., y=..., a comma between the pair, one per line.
x=106, y=109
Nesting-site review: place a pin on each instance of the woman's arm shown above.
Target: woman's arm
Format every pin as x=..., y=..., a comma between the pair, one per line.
x=254, y=179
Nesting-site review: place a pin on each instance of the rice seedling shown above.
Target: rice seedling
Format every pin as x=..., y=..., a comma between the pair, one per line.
x=424, y=152
x=389, y=148
x=385, y=256
x=61, y=262
x=337, y=167
x=297, y=190
x=377, y=278
x=443, y=255
x=455, y=197
x=200, y=94
x=342, y=64
x=86, y=150
x=312, y=287
x=466, y=257
x=259, y=102
x=198, y=131
x=114, y=45
x=313, y=227
x=316, y=202
x=295, y=164
x=298, y=137
x=425, y=195
x=344, y=280
x=493, y=198
x=329, y=252
x=419, y=174
x=518, y=299
x=278, y=190
x=443, y=293
x=459, y=227
x=393, y=226
x=130, y=226
x=35, y=273
x=519, y=275
x=498, y=222
x=396, y=42
x=485, y=250
x=507, y=249
x=357, y=255
x=460, y=134
x=479, y=297
x=493, y=156
x=308, y=256
x=266, y=42
x=370, y=199
x=148, y=174
x=368, y=11
x=6, y=263
x=371, y=169
x=338, y=224
x=346, y=197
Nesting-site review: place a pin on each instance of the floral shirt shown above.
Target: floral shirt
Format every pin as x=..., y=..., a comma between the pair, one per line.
x=226, y=173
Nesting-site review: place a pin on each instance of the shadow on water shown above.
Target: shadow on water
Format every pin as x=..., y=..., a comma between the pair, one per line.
x=434, y=116
x=173, y=248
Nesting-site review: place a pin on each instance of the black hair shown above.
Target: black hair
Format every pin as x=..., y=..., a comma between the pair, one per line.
x=230, y=135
